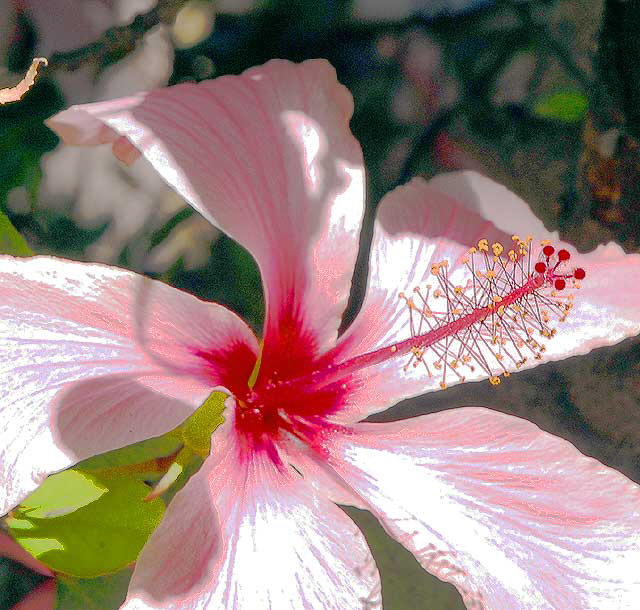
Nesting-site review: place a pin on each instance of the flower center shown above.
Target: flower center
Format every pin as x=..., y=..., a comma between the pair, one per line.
x=489, y=318
x=491, y=313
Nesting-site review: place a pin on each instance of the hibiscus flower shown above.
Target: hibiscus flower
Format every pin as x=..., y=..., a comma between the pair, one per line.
x=95, y=358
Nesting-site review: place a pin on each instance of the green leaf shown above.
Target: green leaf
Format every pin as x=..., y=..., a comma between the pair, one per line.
x=565, y=106
x=84, y=524
x=104, y=593
x=198, y=428
x=138, y=453
x=11, y=242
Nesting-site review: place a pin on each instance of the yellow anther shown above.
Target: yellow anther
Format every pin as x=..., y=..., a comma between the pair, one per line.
x=466, y=359
x=499, y=357
x=515, y=237
x=545, y=242
x=483, y=245
x=491, y=274
x=472, y=250
x=457, y=311
x=507, y=373
x=497, y=248
x=494, y=380
x=443, y=385
x=512, y=255
x=454, y=364
x=435, y=269
x=437, y=293
x=465, y=260
x=479, y=273
x=496, y=298
x=501, y=310
x=458, y=289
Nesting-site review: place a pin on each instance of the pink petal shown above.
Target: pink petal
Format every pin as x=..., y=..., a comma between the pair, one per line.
x=94, y=358
x=418, y=225
x=512, y=516
x=43, y=597
x=11, y=549
x=282, y=545
x=269, y=158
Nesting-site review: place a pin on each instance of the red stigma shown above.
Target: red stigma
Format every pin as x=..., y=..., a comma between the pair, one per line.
x=563, y=255
x=560, y=284
x=548, y=251
x=579, y=274
x=540, y=267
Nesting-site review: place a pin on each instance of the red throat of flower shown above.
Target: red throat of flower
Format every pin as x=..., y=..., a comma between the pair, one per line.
x=492, y=312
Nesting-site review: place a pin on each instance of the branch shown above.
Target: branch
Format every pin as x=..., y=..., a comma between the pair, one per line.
x=120, y=39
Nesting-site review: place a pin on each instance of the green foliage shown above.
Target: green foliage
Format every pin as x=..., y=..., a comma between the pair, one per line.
x=565, y=106
x=15, y=582
x=144, y=451
x=231, y=278
x=404, y=583
x=24, y=138
x=11, y=242
x=197, y=429
x=84, y=524
x=103, y=593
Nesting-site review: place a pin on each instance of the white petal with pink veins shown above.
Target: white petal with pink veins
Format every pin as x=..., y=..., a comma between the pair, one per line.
x=284, y=545
x=269, y=158
x=93, y=358
x=512, y=516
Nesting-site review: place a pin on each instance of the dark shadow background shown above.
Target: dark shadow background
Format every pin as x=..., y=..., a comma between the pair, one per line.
x=542, y=96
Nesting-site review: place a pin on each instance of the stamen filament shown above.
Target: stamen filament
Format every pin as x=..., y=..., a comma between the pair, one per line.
x=489, y=322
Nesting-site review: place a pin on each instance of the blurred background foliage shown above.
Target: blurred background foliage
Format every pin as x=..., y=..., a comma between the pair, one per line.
x=543, y=96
